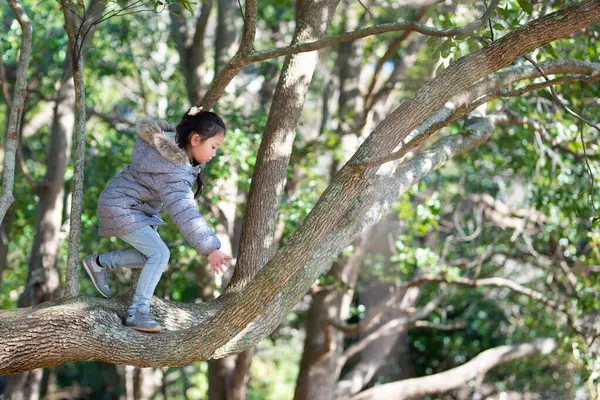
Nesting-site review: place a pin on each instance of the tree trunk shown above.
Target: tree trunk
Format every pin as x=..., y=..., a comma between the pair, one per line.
x=377, y=353
x=268, y=180
x=5, y=234
x=43, y=282
x=361, y=371
x=226, y=36
x=257, y=240
x=24, y=386
x=324, y=344
x=190, y=47
x=73, y=26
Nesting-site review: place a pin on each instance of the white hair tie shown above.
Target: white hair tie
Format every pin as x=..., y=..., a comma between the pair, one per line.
x=194, y=110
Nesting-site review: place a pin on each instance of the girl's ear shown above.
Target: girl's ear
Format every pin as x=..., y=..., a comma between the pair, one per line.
x=195, y=140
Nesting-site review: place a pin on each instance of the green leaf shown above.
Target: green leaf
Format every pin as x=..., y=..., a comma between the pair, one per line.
x=526, y=6
x=446, y=48
x=503, y=12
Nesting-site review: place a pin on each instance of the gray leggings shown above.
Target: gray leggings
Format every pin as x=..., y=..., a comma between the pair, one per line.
x=151, y=254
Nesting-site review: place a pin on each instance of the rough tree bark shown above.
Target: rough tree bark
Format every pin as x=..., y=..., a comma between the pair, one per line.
x=356, y=199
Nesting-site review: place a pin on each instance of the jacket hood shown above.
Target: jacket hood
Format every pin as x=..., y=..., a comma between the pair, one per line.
x=160, y=135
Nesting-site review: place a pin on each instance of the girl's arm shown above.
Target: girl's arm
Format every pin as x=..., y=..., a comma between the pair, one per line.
x=178, y=199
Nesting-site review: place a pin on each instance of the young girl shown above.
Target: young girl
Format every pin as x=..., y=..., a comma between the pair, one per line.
x=166, y=161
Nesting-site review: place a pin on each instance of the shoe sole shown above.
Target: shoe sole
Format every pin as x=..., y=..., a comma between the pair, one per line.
x=91, y=275
x=150, y=330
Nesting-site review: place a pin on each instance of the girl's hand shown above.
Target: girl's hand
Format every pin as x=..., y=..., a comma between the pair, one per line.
x=218, y=261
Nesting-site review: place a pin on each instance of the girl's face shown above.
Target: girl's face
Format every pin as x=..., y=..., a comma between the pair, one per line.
x=204, y=150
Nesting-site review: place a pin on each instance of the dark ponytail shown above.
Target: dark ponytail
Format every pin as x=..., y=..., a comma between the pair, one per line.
x=206, y=124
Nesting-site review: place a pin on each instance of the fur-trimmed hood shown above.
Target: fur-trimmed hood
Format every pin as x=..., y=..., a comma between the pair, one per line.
x=160, y=135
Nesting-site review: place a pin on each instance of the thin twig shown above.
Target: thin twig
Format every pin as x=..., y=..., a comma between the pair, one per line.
x=365, y=7
x=394, y=46
x=490, y=23
x=581, y=119
x=241, y=10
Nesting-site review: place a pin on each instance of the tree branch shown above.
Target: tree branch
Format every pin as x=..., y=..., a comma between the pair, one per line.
x=239, y=60
x=395, y=325
x=441, y=327
x=494, y=282
x=447, y=380
x=392, y=49
x=16, y=108
x=487, y=90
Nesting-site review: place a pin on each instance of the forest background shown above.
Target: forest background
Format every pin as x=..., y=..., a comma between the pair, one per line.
x=417, y=178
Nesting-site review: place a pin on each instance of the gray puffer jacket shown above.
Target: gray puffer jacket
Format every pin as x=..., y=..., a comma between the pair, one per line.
x=160, y=175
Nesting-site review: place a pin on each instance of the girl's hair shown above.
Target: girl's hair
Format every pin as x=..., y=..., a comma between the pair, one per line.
x=206, y=124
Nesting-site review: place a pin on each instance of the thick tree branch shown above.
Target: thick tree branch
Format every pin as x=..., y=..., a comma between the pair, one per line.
x=95, y=330
x=16, y=108
x=445, y=381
